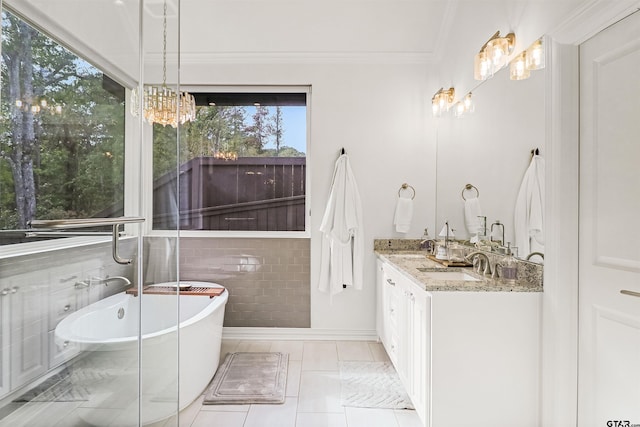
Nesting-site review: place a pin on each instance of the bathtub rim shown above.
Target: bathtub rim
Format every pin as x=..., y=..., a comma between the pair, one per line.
x=64, y=334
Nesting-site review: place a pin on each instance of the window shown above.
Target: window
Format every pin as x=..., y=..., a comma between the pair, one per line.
x=242, y=167
x=62, y=125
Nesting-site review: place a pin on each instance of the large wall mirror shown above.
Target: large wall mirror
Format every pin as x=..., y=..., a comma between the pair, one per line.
x=491, y=150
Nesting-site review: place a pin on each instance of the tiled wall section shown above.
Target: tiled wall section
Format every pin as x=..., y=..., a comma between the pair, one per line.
x=268, y=279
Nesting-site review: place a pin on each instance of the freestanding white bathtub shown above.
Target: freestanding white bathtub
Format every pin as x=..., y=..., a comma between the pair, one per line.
x=106, y=334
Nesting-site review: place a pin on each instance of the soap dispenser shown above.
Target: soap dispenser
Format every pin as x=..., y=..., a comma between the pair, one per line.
x=509, y=268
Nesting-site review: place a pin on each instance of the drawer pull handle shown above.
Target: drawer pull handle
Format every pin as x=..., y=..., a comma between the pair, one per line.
x=391, y=282
x=67, y=307
x=5, y=291
x=14, y=289
x=630, y=293
x=65, y=344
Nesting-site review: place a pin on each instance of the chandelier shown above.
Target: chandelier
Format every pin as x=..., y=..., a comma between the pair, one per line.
x=163, y=105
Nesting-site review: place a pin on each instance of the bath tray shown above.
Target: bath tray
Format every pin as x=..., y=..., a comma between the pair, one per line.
x=448, y=263
x=171, y=290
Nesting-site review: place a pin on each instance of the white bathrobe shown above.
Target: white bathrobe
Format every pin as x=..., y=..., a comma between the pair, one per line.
x=342, y=257
x=529, y=210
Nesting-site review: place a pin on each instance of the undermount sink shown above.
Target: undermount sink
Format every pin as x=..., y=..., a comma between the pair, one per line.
x=449, y=275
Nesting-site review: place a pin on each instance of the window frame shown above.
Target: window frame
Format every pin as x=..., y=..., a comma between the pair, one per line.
x=147, y=165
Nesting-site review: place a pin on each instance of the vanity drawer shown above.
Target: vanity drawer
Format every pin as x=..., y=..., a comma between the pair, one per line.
x=60, y=352
x=61, y=304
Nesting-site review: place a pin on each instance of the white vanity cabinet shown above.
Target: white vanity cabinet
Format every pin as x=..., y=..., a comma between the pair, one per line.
x=403, y=328
x=465, y=358
x=26, y=295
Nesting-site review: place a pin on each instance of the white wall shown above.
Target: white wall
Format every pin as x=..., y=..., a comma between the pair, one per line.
x=378, y=112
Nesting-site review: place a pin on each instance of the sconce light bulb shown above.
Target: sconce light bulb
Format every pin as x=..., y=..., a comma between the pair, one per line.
x=481, y=66
x=435, y=108
x=467, y=101
x=518, y=69
x=535, y=56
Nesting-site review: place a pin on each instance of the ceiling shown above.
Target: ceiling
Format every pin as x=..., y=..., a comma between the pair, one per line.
x=440, y=32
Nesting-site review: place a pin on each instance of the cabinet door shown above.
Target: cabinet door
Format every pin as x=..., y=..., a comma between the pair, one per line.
x=390, y=311
x=29, y=349
x=420, y=351
x=5, y=359
x=405, y=333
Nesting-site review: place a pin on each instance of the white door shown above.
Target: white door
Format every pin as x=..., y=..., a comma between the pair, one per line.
x=609, y=221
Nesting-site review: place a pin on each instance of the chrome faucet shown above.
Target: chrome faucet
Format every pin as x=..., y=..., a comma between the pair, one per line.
x=108, y=279
x=81, y=285
x=480, y=257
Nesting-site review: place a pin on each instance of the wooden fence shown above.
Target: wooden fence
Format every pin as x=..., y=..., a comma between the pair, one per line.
x=251, y=193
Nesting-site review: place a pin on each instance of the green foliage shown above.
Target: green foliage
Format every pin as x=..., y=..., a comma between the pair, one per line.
x=224, y=129
x=78, y=160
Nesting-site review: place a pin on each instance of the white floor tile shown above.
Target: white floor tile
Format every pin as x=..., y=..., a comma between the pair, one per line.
x=313, y=396
x=354, y=350
x=320, y=356
x=370, y=417
x=273, y=415
x=321, y=419
x=294, y=348
x=219, y=419
x=293, y=378
x=39, y=414
x=378, y=352
x=407, y=418
x=253, y=346
x=226, y=408
x=188, y=414
x=319, y=392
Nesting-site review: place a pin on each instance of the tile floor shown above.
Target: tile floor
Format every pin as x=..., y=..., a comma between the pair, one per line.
x=313, y=391
x=312, y=396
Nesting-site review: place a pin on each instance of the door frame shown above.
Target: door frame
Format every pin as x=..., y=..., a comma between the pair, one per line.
x=559, y=358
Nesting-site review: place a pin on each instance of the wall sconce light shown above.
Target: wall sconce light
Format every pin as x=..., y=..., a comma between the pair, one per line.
x=463, y=107
x=442, y=100
x=531, y=59
x=493, y=55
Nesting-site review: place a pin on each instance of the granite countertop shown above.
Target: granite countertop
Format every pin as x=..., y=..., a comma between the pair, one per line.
x=408, y=262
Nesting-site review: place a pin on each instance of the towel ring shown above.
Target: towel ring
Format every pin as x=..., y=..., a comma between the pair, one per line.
x=469, y=187
x=406, y=186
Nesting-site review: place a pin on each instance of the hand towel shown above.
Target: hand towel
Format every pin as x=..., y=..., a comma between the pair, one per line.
x=403, y=215
x=472, y=211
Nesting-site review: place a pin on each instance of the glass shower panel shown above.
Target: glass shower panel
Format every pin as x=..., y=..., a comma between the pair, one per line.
x=159, y=356
x=78, y=345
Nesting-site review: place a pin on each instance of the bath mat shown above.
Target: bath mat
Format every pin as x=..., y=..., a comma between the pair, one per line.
x=372, y=385
x=69, y=385
x=246, y=378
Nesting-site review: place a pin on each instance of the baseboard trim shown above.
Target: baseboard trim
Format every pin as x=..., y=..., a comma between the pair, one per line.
x=298, y=334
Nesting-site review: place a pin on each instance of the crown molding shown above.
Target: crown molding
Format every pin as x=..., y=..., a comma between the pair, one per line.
x=224, y=58
x=591, y=18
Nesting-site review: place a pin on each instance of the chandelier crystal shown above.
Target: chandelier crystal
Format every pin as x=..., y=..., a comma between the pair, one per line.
x=162, y=104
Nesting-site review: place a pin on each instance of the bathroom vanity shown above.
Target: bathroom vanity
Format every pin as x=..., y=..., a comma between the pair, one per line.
x=466, y=346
